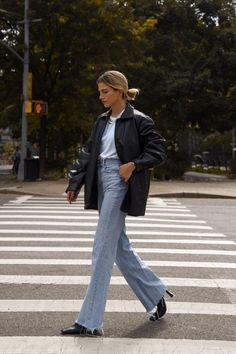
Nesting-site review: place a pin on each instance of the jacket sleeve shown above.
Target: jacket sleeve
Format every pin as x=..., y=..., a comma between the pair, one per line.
x=77, y=171
x=152, y=145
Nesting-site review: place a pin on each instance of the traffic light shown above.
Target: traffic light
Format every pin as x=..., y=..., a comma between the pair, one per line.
x=39, y=107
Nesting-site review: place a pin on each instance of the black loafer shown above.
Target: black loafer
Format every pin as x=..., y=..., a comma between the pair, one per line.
x=82, y=331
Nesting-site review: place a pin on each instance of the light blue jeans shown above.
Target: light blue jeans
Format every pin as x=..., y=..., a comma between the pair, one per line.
x=111, y=245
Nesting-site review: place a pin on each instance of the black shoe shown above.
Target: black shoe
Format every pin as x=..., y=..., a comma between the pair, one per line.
x=82, y=331
x=161, y=308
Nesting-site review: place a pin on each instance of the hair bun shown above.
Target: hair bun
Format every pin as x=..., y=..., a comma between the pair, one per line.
x=131, y=94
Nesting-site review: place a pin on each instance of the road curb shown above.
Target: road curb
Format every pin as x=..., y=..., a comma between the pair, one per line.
x=190, y=195
x=14, y=190
x=192, y=176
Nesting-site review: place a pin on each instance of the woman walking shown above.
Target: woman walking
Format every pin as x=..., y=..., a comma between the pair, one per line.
x=114, y=166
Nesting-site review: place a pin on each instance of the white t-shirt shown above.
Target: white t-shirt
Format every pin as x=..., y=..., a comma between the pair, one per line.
x=108, y=147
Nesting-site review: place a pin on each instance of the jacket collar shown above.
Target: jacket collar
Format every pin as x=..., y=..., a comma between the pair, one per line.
x=128, y=113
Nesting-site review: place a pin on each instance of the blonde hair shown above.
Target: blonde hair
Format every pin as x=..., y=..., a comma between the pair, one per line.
x=118, y=81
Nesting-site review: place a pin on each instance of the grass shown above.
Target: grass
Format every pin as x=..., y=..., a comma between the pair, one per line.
x=216, y=170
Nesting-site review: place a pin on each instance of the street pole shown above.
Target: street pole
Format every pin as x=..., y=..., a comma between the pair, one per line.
x=233, y=144
x=21, y=172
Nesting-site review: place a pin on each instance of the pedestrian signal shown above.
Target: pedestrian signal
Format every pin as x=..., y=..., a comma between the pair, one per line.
x=39, y=107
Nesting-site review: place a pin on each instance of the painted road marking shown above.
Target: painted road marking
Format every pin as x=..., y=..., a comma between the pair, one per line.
x=115, y=280
x=87, y=262
x=93, y=224
x=80, y=212
x=137, y=240
x=80, y=345
x=132, y=232
x=126, y=306
x=95, y=217
x=139, y=250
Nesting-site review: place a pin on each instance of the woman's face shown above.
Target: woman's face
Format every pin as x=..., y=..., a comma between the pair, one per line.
x=109, y=96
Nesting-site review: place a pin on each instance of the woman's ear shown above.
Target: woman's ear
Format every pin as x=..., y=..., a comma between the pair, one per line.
x=121, y=94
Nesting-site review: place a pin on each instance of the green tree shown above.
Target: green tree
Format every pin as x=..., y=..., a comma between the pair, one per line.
x=189, y=69
x=74, y=43
x=188, y=74
x=180, y=53
x=10, y=68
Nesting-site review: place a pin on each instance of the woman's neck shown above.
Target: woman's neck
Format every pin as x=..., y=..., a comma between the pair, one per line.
x=118, y=108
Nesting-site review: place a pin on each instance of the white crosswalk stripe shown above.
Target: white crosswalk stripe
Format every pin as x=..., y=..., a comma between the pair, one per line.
x=134, y=232
x=61, y=206
x=139, y=250
x=87, y=262
x=84, y=280
x=39, y=241
x=135, y=240
x=126, y=306
x=53, y=345
x=85, y=217
x=61, y=210
x=93, y=224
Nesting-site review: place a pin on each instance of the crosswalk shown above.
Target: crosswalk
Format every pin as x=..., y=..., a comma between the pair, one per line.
x=45, y=263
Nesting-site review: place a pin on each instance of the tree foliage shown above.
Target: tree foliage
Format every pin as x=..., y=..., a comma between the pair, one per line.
x=180, y=53
x=190, y=65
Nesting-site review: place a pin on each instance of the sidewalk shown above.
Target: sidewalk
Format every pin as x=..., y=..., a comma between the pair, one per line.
x=224, y=189
x=183, y=189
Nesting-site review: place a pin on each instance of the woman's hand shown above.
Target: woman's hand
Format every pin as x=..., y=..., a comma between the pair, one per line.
x=71, y=196
x=126, y=170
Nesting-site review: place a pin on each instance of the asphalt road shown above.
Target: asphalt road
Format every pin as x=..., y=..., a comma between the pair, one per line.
x=191, y=238
x=219, y=213
x=4, y=198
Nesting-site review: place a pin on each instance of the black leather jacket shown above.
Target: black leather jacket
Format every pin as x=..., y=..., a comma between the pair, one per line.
x=136, y=140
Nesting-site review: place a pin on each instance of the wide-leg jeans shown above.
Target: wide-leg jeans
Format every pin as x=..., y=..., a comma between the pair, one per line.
x=111, y=244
